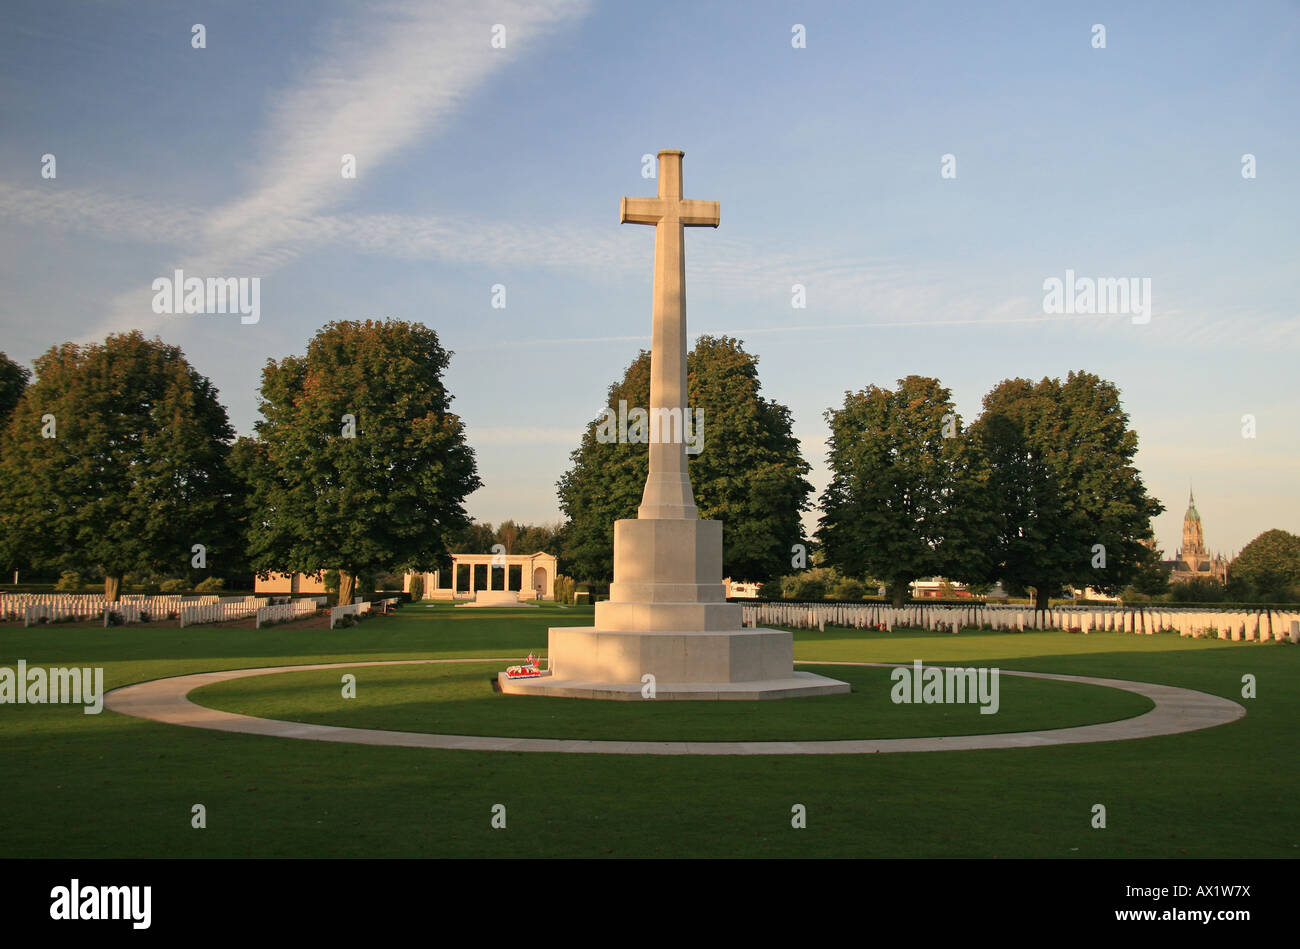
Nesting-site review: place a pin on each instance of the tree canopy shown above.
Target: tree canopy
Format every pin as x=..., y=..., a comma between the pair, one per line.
x=904, y=497
x=1069, y=505
x=1269, y=566
x=360, y=464
x=115, y=460
x=749, y=473
x=13, y=380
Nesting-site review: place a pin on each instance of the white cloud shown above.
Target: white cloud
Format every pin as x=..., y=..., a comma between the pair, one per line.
x=380, y=81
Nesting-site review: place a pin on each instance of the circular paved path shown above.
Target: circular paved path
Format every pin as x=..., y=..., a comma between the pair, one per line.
x=167, y=700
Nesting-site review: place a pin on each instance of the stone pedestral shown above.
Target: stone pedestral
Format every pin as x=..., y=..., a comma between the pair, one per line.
x=496, y=598
x=667, y=616
x=667, y=578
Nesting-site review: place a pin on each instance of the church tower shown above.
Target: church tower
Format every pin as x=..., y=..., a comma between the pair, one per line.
x=1193, y=560
x=1193, y=538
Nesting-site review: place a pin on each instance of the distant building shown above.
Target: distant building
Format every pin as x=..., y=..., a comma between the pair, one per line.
x=937, y=587
x=532, y=576
x=1193, y=560
x=290, y=583
x=743, y=589
x=1088, y=593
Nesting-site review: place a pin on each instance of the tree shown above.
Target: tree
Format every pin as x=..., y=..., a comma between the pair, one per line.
x=1269, y=566
x=605, y=482
x=748, y=473
x=1151, y=578
x=115, y=459
x=809, y=585
x=474, y=538
x=1069, y=506
x=508, y=536
x=903, y=501
x=13, y=381
x=1198, y=590
x=361, y=465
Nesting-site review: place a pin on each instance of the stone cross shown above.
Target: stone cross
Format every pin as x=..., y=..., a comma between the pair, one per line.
x=668, y=492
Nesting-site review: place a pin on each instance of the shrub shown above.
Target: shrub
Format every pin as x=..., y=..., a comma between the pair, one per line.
x=417, y=587
x=173, y=586
x=563, y=589
x=849, y=588
x=69, y=582
x=211, y=585
x=808, y=585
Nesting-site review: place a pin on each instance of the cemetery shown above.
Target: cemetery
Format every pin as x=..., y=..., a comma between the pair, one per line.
x=435, y=678
x=496, y=696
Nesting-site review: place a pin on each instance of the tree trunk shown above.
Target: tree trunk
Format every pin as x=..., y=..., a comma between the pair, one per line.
x=1042, y=600
x=112, y=588
x=347, y=586
x=898, y=593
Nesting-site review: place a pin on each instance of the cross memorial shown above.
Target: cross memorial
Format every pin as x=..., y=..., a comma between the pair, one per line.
x=668, y=491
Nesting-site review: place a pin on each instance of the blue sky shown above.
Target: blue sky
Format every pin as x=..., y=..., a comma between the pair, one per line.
x=478, y=166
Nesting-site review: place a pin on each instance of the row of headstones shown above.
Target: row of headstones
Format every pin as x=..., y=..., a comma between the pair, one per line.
x=34, y=608
x=52, y=607
x=360, y=607
x=224, y=612
x=294, y=609
x=1250, y=625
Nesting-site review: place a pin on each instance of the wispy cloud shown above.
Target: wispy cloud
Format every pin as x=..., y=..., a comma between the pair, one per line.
x=380, y=81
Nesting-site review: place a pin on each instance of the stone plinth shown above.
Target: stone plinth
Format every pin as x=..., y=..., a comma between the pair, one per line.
x=496, y=598
x=667, y=578
x=796, y=685
x=699, y=656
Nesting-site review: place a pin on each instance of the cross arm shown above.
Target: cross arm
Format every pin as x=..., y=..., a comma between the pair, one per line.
x=640, y=211
x=699, y=213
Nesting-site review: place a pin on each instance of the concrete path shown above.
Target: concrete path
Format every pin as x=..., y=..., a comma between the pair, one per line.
x=166, y=700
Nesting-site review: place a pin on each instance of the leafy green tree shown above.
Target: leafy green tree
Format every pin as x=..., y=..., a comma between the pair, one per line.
x=474, y=538
x=849, y=588
x=362, y=466
x=1152, y=577
x=115, y=460
x=749, y=473
x=1269, y=566
x=508, y=536
x=904, y=500
x=1070, y=507
x=69, y=582
x=1198, y=590
x=808, y=585
x=605, y=482
x=13, y=382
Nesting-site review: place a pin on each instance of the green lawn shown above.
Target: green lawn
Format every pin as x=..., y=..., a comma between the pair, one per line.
x=74, y=785
x=458, y=699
